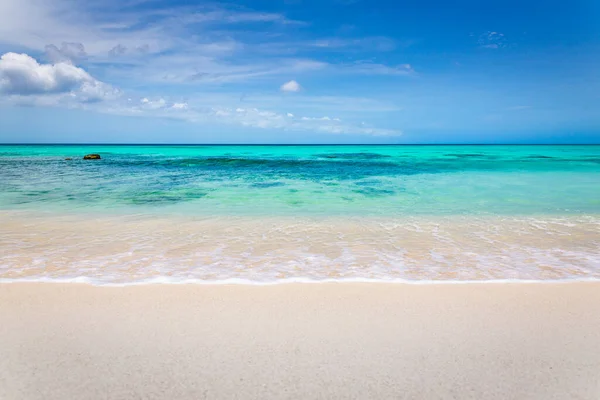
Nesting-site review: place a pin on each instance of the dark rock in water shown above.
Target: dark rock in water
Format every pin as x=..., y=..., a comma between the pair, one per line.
x=68, y=159
x=91, y=157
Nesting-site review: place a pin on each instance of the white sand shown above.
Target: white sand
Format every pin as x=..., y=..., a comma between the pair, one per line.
x=300, y=341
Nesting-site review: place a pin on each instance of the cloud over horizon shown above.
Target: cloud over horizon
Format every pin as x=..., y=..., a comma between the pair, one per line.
x=63, y=84
x=291, y=86
x=368, y=71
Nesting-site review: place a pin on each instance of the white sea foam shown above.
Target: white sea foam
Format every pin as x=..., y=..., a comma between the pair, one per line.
x=233, y=281
x=227, y=250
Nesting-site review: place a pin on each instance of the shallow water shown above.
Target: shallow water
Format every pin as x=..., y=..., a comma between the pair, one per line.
x=303, y=180
x=267, y=214
x=266, y=249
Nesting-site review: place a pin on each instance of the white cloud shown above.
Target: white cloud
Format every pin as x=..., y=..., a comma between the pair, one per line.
x=120, y=27
x=95, y=91
x=34, y=24
x=250, y=117
x=238, y=17
x=209, y=70
x=197, y=45
x=374, y=43
x=22, y=75
x=330, y=104
x=182, y=45
x=379, y=69
x=492, y=40
x=267, y=119
x=180, y=106
x=25, y=81
x=325, y=118
x=213, y=14
x=291, y=86
x=154, y=104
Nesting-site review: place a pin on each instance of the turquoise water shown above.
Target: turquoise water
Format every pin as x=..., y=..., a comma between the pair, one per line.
x=270, y=214
x=303, y=180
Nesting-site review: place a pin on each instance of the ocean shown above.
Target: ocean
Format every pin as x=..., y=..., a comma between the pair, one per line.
x=270, y=214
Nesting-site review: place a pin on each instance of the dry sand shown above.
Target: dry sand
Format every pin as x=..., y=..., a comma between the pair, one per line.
x=300, y=341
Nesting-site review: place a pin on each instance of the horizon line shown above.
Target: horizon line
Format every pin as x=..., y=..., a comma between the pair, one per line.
x=300, y=144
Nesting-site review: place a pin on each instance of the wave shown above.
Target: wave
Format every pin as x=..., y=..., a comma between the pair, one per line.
x=246, y=282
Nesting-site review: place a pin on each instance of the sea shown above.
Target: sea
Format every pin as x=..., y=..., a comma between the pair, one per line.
x=253, y=214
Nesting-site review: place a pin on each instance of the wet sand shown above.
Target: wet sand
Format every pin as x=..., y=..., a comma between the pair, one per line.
x=300, y=341
x=142, y=248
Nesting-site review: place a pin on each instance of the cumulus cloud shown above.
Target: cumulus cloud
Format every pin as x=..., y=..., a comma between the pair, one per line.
x=25, y=81
x=22, y=75
x=180, y=46
x=291, y=86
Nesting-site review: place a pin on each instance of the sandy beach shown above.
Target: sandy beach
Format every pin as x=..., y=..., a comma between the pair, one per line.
x=300, y=341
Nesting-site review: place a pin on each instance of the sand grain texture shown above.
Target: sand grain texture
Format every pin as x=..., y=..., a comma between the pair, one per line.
x=300, y=341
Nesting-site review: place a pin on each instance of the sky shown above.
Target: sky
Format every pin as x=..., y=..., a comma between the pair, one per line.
x=299, y=71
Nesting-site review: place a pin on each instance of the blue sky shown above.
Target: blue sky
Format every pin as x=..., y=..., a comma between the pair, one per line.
x=299, y=71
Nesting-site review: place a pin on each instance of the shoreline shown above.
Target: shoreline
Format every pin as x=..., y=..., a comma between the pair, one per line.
x=350, y=340
x=137, y=249
x=160, y=281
